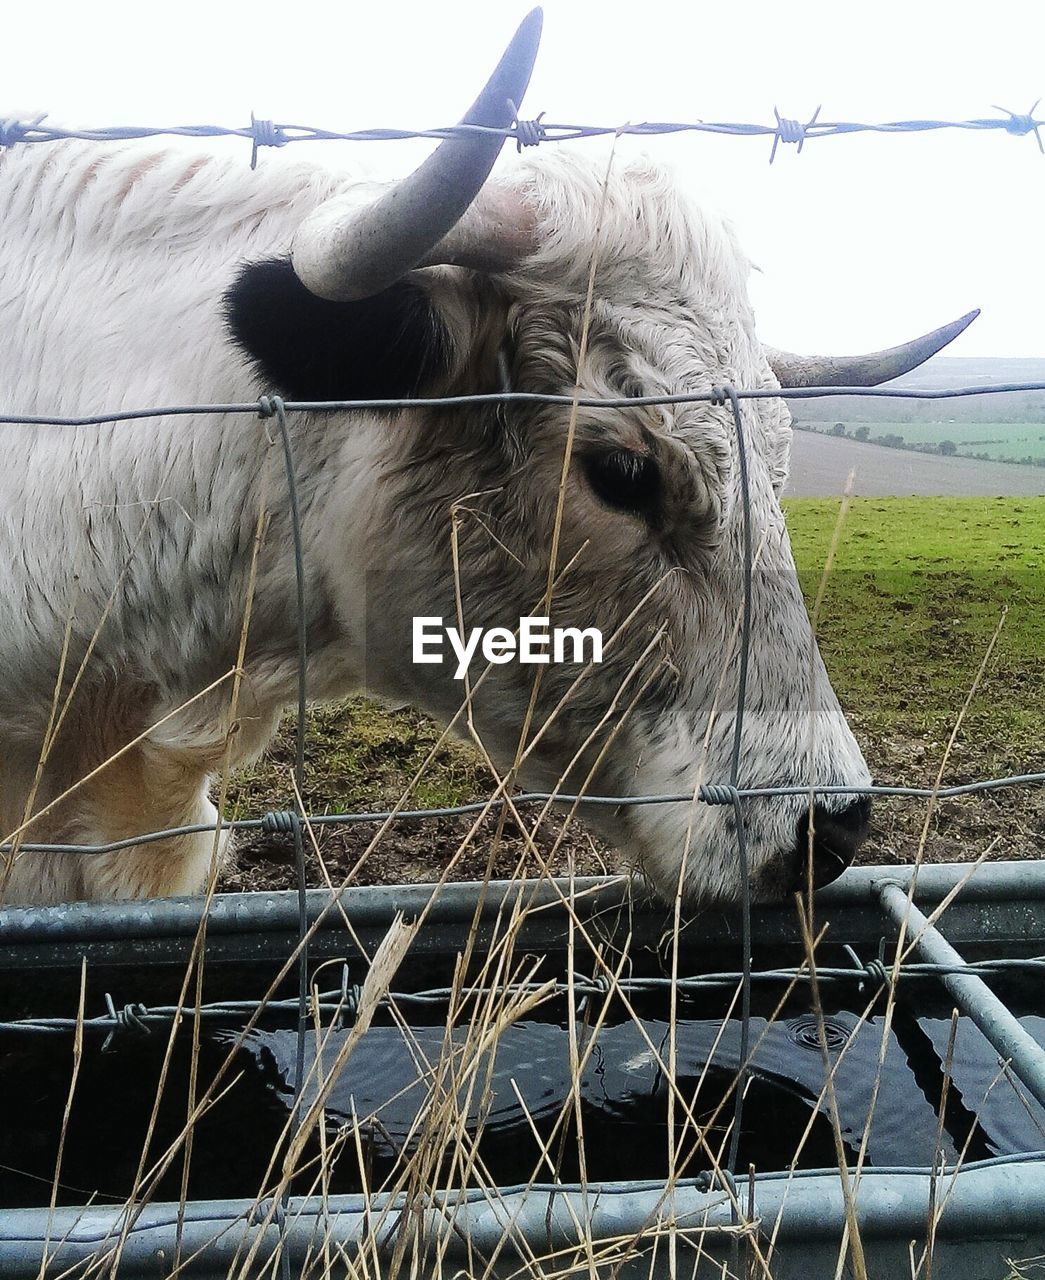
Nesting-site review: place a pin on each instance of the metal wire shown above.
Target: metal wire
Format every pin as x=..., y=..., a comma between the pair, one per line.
x=338, y=1004
x=729, y=394
x=272, y=406
x=395, y=405
x=528, y=133
x=732, y=794
x=279, y=822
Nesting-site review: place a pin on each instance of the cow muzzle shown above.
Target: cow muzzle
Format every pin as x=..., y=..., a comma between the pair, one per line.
x=827, y=841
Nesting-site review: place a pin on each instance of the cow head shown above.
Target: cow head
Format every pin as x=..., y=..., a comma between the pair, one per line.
x=570, y=277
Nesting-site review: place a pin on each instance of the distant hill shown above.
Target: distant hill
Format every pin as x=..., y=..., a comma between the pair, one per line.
x=959, y=371
x=938, y=373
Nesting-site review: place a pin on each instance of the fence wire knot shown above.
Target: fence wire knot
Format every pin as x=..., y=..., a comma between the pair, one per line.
x=269, y=406
x=1022, y=124
x=528, y=133
x=348, y=1002
x=599, y=985
x=279, y=822
x=878, y=971
x=793, y=131
x=264, y=133
x=261, y=1209
x=130, y=1018
x=12, y=131
x=718, y=793
x=705, y=1181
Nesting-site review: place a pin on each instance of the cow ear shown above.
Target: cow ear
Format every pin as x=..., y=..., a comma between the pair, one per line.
x=306, y=348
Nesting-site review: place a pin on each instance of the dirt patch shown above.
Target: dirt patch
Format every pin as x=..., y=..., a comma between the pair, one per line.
x=416, y=853
x=1008, y=823
x=361, y=758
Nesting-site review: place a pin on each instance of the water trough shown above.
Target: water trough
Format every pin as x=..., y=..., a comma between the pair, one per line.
x=957, y=1136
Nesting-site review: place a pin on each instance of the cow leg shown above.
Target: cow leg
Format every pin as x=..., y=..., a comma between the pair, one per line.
x=149, y=789
x=176, y=867
x=97, y=790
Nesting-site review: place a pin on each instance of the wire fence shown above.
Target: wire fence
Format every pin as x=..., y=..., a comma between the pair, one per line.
x=280, y=822
x=294, y=823
x=531, y=132
x=731, y=792
x=338, y=1005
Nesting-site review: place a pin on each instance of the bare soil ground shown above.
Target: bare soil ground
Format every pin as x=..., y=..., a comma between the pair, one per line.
x=361, y=758
x=1011, y=823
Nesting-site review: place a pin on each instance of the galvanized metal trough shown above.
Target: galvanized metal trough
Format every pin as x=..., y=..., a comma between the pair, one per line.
x=987, y=1212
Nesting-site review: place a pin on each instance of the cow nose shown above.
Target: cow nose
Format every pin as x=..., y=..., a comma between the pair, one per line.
x=837, y=834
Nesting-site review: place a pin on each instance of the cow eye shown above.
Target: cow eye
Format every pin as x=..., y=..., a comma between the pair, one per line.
x=624, y=480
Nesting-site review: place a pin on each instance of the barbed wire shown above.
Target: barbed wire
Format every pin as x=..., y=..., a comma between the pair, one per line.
x=342, y=1003
x=785, y=130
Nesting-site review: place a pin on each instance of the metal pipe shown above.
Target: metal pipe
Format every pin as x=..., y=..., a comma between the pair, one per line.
x=1000, y=1203
x=1003, y=901
x=277, y=911
x=1021, y=881
x=971, y=994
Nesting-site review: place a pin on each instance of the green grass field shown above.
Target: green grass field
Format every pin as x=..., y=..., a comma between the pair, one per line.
x=1002, y=441
x=917, y=589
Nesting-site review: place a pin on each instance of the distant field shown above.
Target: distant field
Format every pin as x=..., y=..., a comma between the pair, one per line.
x=1003, y=441
x=821, y=466
x=918, y=587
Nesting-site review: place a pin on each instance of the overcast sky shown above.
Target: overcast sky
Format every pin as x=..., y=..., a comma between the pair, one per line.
x=862, y=241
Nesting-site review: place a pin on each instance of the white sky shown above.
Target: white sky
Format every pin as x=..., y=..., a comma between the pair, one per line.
x=863, y=241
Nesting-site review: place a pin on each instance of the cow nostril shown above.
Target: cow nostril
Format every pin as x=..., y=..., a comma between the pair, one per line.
x=837, y=835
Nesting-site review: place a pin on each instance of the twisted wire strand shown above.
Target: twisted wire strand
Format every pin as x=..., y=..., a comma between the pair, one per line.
x=281, y=822
x=785, y=130
x=340, y=1004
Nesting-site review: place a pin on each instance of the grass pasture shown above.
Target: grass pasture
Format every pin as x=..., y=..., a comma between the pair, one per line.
x=917, y=589
x=916, y=593
x=1000, y=441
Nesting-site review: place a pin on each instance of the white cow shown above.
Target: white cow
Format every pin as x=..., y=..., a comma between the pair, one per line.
x=135, y=276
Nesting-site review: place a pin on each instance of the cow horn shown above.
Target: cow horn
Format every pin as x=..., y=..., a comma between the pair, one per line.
x=342, y=252
x=863, y=371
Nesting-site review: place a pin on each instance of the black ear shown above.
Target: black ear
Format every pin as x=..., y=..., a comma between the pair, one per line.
x=306, y=348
